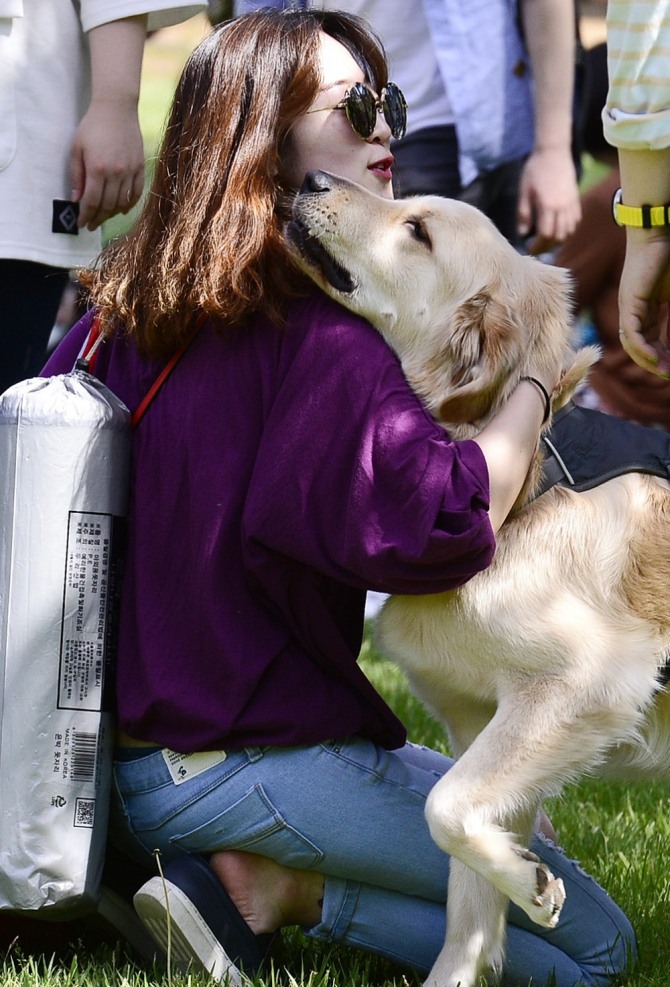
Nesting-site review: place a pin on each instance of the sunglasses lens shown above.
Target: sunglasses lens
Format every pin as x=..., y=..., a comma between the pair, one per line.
x=395, y=110
x=361, y=110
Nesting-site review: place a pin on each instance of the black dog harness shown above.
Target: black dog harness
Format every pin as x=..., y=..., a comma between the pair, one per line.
x=584, y=448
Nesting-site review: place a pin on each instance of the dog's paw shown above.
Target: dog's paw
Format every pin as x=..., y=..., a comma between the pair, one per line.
x=549, y=892
x=550, y=897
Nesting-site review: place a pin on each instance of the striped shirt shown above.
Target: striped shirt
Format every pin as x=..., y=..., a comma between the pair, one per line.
x=637, y=112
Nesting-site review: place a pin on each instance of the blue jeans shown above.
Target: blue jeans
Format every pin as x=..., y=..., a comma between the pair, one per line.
x=353, y=812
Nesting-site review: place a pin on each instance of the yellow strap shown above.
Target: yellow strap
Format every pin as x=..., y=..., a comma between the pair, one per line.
x=641, y=216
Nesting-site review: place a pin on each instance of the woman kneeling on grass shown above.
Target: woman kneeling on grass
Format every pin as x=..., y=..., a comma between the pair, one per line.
x=284, y=469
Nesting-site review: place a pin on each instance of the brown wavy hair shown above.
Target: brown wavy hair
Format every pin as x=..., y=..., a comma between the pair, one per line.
x=209, y=238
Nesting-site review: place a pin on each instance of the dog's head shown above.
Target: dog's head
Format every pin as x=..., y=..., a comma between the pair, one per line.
x=465, y=312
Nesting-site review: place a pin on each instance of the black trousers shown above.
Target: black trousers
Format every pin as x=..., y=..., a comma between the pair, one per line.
x=30, y=294
x=427, y=164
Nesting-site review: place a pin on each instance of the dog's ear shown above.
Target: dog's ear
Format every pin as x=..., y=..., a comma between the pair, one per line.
x=483, y=343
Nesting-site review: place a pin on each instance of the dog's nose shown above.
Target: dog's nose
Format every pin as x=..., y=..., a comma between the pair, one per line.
x=316, y=181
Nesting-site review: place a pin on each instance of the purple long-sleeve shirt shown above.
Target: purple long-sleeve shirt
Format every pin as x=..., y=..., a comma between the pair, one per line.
x=278, y=475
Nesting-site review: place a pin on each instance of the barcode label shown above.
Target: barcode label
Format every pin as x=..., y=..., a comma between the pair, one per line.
x=84, y=751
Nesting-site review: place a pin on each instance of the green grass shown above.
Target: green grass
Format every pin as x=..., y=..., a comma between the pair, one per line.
x=619, y=833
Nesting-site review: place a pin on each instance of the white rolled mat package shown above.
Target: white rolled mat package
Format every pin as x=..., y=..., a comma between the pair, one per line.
x=64, y=473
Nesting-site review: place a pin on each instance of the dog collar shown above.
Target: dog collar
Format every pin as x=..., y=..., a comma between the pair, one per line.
x=643, y=217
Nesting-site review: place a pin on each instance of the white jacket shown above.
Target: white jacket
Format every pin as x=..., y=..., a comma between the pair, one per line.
x=44, y=92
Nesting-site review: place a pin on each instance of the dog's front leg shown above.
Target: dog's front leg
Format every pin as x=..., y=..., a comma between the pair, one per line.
x=475, y=942
x=477, y=810
x=476, y=922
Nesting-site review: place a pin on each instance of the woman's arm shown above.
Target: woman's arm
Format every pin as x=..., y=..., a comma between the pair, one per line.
x=394, y=503
x=509, y=443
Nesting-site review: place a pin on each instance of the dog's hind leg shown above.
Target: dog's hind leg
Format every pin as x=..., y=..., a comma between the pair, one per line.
x=648, y=756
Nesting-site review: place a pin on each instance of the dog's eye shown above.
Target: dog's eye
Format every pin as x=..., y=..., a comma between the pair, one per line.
x=419, y=231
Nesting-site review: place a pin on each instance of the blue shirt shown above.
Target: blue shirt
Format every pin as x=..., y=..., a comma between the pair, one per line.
x=486, y=73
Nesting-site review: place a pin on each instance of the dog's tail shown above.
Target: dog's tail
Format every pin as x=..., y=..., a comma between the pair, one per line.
x=574, y=375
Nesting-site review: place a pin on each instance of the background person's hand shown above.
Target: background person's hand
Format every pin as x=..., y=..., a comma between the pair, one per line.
x=549, y=202
x=107, y=155
x=644, y=300
x=107, y=161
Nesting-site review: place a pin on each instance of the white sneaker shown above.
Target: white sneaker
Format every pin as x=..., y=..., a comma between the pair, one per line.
x=203, y=929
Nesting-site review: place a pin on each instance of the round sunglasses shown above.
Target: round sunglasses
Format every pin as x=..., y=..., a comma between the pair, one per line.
x=362, y=106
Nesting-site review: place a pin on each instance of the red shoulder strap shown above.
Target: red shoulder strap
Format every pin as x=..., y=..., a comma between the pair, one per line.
x=89, y=354
x=141, y=409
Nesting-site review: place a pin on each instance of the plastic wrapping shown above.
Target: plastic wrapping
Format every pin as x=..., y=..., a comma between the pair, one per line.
x=64, y=468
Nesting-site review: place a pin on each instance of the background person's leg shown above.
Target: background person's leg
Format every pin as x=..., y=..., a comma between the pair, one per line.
x=426, y=163
x=29, y=298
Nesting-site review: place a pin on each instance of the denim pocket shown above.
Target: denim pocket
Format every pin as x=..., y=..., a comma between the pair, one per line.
x=155, y=803
x=253, y=824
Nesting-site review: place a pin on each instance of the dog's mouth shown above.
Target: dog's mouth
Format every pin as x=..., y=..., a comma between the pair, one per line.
x=313, y=251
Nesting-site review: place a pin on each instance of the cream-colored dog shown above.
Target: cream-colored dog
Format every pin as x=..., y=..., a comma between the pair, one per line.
x=544, y=666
